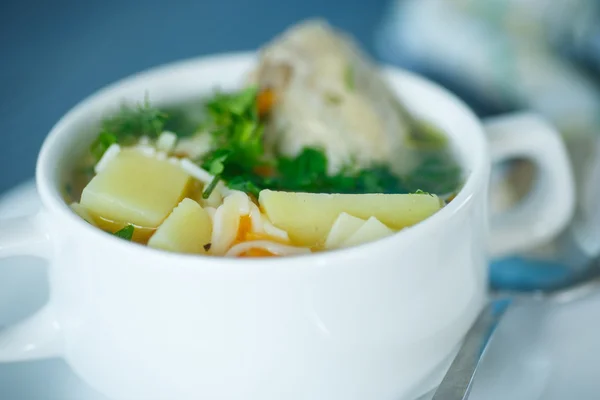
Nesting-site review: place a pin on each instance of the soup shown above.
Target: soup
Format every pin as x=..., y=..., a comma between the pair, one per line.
x=314, y=152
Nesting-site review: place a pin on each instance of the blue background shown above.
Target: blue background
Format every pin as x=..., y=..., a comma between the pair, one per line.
x=55, y=53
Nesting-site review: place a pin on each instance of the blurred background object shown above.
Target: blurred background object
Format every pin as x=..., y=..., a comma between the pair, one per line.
x=55, y=53
x=505, y=55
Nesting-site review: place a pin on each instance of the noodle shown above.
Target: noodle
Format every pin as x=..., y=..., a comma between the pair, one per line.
x=272, y=230
x=211, y=212
x=272, y=247
x=256, y=218
x=226, y=221
x=195, y=171
x=166, y=141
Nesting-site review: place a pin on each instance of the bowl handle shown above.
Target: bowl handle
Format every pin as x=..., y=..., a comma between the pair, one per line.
x=38, y=336
x=549, y=206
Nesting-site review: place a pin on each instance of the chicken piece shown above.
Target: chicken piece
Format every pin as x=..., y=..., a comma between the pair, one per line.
x=328, y=94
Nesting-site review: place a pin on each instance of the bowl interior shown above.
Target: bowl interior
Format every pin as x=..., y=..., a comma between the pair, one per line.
x=190, y=79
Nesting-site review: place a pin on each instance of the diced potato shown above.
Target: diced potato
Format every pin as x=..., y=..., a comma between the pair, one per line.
x=308, y=217
x=83, y=213
x=141, y=234
x=186, y=230
x=135, y=188
x=344, y=226
x=370, y=231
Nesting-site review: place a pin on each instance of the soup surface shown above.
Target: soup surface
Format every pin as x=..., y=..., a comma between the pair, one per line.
x=312, y=153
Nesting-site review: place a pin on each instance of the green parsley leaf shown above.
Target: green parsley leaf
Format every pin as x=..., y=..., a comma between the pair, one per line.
x=306, y=171
x=215, y=161
x=378, y=179
x=125, y=233
x=225, y=106
x=241, y=102
x=244, y=184
x=237, y=135
x=235, y=125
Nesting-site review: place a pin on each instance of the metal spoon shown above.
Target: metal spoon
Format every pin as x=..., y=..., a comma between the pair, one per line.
x=458, y=381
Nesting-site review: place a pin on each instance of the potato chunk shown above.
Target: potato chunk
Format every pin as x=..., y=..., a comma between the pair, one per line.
x=308, y=217
x=83, y=213
x=370, y=231
x=135, y=188
x=344, y=226
x=140, y=233
x=186, y=230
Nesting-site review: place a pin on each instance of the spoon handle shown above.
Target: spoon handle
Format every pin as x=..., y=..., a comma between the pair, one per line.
x=458, y=381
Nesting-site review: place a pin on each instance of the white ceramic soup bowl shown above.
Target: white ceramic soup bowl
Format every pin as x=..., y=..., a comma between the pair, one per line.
x=377, y=321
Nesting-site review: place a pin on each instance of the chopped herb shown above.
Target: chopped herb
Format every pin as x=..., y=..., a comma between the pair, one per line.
x=125, y=233
x=101, y=144
x=211, y=187
x=235, y=126
x=437, y=172
x=240, y=160
x=332, y=98
x=69, y=189
x=127, y=125
x=419, y=191
x=428, y=136
x=308, y=169
x=244, y=184
x=349, y=77
x=308, y=172
x=237, y=134
x=238, y=103
x=133, y=122
x=87, y=170
x=214, y=162
x=378, y=179
x=207, y=246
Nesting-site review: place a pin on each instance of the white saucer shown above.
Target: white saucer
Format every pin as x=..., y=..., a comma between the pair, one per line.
x=541, y=351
